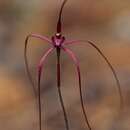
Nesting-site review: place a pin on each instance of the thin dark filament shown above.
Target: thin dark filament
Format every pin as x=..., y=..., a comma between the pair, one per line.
x=59, y=89
x=109, y=64
x=27, y=66
x=74, y=59
x=59, y=24
x=113, y=71
x=81, y=98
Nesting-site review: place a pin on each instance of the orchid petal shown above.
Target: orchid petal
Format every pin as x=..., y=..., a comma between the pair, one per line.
x=40, y=68
x=108, y=63
x=26, y=60
x=76, y=63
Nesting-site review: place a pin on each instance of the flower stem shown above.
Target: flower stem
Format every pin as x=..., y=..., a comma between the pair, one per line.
x=59, y=88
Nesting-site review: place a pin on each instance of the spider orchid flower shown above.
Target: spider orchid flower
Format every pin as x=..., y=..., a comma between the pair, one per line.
x=59, y=43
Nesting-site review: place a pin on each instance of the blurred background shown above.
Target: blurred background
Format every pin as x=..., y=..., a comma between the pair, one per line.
x=106, y=23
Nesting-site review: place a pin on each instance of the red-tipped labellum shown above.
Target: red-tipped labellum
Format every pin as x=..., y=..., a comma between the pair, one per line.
x=58, y=43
